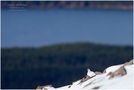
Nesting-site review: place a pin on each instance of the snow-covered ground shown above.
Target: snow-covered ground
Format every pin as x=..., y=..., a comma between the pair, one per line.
x=118, y=77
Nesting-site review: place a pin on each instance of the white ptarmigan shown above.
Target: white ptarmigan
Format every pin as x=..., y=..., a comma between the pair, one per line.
x=90, y=73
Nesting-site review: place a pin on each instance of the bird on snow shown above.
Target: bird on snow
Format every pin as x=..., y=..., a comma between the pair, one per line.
x=90, y=73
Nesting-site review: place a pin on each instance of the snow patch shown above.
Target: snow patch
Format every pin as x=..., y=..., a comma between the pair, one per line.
x=102, y=82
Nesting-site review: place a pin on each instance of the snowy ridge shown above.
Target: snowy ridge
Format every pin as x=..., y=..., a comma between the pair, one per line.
x=118, y=77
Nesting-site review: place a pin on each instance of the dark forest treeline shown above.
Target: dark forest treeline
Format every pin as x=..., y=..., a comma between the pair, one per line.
x=57, y=64
x=122, y=5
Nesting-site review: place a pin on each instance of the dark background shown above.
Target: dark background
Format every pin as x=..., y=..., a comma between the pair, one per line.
x=57, y=64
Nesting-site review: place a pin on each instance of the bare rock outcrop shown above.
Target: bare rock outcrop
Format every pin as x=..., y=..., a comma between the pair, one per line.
x=129, y=63
x=90, y=74
x=119, y=72
x=85, y=79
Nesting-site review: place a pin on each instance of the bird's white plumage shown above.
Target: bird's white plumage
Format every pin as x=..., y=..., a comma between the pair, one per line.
x=90, y=73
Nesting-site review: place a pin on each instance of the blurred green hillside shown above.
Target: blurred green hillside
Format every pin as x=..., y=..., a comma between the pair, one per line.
x=57, y=64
